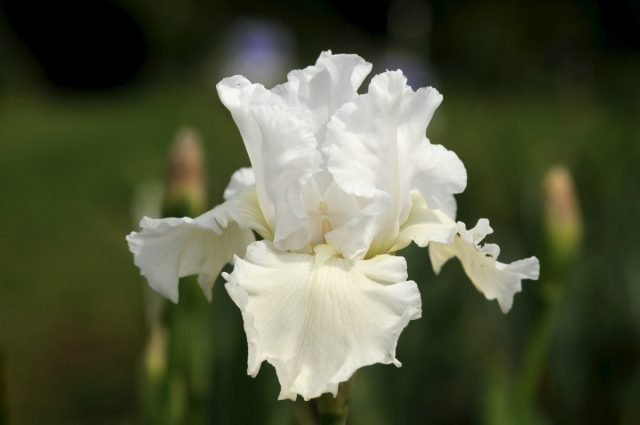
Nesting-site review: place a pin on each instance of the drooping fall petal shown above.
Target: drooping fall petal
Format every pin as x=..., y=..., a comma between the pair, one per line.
x=496, y=280
x=170, y=248
x=318, y=318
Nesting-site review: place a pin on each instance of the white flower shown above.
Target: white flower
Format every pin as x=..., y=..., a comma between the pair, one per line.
x=339, y=182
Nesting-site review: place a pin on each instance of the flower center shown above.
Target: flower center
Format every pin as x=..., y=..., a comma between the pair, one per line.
x=326, y=224
x=323, y=207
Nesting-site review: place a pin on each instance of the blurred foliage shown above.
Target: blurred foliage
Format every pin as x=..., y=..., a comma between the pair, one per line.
x=524, y=87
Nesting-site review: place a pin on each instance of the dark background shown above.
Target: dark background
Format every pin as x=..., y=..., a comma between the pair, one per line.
x=92, y=94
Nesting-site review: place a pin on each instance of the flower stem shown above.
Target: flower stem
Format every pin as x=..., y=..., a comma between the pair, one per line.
x=333, y=420
x=334, y=410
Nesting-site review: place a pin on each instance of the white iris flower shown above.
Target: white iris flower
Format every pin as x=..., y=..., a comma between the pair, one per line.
x=339, y=182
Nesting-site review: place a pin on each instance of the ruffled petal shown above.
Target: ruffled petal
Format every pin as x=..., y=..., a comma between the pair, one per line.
x=290, y=158
x=318, y=318
x=282, y=148
x=496, y=280
x=326, y=86
x=281, y=127
x=170, y=248
x=377, y=149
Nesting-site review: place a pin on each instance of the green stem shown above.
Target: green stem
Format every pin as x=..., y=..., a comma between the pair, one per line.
x=333, y=420
x=537, y=352
x=334, y=410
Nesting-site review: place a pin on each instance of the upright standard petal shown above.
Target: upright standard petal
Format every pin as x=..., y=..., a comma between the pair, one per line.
x=318, y=318
x=496, y=280
x=377, y=149
x=290, y=158
x=282, y=149
x=239, y=95
x=326, y=86
x=438, y=176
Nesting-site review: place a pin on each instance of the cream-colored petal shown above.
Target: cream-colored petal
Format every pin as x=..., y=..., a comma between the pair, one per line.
x=318, y=318
x=496, y=280
x=170, y=248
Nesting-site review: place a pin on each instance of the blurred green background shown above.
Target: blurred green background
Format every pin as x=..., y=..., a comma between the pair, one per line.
x=93, y=93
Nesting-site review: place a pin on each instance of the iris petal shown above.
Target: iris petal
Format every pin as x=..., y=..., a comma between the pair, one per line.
x=318, y=318
x=496, y=280
x=377, y=149
x=170, y=248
